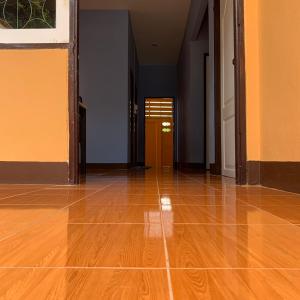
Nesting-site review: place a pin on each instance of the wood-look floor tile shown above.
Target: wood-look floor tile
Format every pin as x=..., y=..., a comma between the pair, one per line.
x=197, y=200
x=23, y=214
x=11, y=192
x=213, y=193
x=241, y=246
x=262, y=201
x=73, y=245
x=187, y=191
x=252, y=190
x=75, y=242
x=236, y=284
x=32, y=284
x=121, y=199
x=288, y=213
x=24, y=186
x=48, y=200
x=63, y=192
x=133, y=191
x=233, y=214
x=82, y=212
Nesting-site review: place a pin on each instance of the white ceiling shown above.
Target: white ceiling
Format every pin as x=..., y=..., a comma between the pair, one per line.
x=154, y=21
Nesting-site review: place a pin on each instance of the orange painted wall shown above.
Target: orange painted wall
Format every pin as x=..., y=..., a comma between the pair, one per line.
x=273, y=79
x=34, y=105
x=253, y=79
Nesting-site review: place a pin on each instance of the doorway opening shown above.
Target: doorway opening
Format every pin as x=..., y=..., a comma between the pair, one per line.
x=159, y=132
x=230, y=90
x=225, y=88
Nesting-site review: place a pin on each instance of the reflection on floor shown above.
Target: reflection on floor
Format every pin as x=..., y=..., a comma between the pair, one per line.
x=149, y=235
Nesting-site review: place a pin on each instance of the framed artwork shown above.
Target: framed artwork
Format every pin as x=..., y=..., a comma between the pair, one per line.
x=34, y=21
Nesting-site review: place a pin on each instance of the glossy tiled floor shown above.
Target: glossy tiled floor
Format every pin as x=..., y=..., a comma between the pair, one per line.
x=153, y=235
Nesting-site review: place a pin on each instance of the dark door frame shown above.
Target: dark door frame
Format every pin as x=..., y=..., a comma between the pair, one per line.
x=240, y=91
x=74, y=170
x=205, y=108
x=132, y=145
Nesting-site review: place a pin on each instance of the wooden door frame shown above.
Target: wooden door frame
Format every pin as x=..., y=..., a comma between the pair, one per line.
x=175, y=137
x=205, y=55
x=240, y=91
x=74, y=94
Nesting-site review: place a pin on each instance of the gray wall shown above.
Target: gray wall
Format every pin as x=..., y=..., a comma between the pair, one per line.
x=154, y=81
x=104, y=63
x=191, y=98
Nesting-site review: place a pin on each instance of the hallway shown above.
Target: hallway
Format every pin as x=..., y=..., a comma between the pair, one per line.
x=149, y=235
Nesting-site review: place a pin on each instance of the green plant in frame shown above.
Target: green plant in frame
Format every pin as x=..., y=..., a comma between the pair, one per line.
x=22, y=14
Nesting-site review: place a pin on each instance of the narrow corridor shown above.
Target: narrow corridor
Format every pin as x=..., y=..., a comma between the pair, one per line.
x=149, y=235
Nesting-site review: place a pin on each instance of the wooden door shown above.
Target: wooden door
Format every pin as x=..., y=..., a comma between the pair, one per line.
x=166, y=137
x=227, y=88
x=159, y=142
x=153, y=158
x=159, y=132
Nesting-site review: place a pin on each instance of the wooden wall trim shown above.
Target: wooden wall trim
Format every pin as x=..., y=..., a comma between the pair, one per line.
x=217, y=170
x=73, y=95
x=193, y=166
x=34, y=46
x=253, y=172
x=95, y=167
x=240, y=93
x=34, y=172
x=279, y=175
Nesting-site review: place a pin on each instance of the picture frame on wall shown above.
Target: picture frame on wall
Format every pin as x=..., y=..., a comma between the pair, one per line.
x=34, y=21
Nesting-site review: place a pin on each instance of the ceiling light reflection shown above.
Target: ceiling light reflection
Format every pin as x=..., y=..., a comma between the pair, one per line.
x=166, y=207
x=165, y=200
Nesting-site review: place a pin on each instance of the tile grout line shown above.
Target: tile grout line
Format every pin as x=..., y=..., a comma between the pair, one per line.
x=87, y=196
x=170, y=287
x=257, y=207
x=198, y=181
x=22, y=194
x=183, y=223
x=60, y=209
x=143, y=268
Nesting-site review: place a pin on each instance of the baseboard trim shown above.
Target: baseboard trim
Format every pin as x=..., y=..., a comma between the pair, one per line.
x=34, y=172
x=106, y=166
x=279, y=175
x=214, y=169
x=193, y=166
x=140, y=164
x=253, y=172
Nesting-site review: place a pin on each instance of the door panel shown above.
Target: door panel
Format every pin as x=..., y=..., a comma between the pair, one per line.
x=227, y=89
x=166, y=133
x=159, y=143
x=152, y=159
